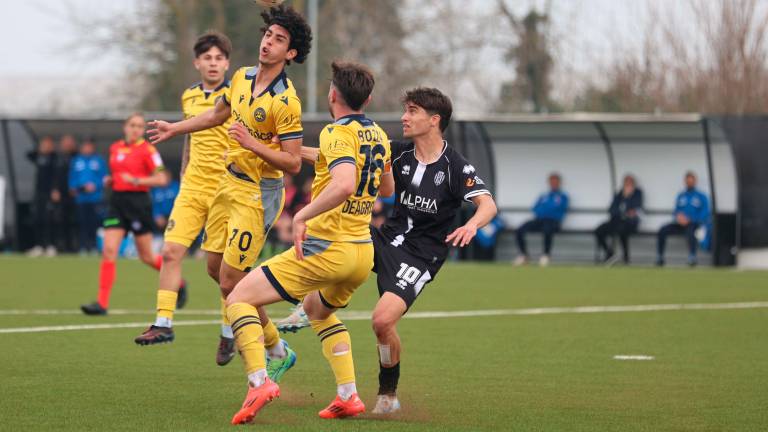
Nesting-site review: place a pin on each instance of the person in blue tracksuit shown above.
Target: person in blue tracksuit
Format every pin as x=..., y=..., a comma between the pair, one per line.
x=162, y=202
x=691, y=212
x=86, y=182
x=549, y=212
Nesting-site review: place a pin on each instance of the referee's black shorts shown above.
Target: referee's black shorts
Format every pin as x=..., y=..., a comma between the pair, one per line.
x=399, y=272
x=131, y=211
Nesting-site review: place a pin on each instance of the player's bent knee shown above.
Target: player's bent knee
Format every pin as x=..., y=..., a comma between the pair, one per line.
x=172, y=252
x=382, y=325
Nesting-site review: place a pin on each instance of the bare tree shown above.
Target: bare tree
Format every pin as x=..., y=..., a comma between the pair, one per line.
x=717, y=64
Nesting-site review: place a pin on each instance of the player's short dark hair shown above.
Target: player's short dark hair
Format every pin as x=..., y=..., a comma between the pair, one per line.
x=211, y=39
x=354, y=81
x=300, y=31
x=432, y=101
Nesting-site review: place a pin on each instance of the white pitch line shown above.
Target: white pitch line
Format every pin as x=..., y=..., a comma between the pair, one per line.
x=634, y=357
x=98, y=326
x=365, y=315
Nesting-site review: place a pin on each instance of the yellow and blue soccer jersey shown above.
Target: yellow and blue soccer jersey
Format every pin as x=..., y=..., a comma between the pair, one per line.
x=357, y=140
x=276, y=111
x=206, y=147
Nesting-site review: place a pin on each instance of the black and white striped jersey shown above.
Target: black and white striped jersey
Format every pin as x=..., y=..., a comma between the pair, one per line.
x=428, y=198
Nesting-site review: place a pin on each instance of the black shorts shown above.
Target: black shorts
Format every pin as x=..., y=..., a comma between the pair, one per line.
x=131, y=211
x=398, y=271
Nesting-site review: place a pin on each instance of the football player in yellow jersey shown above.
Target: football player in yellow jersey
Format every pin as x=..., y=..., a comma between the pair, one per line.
x=202, y=168
x=262, y=103
x=332, y=254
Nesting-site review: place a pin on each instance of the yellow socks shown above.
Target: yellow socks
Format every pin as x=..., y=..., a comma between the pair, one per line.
x=271, y=336
x=337, y=348
x=166, y=305
x=226, y=328
x=249, y=335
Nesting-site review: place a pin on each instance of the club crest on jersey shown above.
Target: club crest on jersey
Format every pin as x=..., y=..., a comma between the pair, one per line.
x=470, y=182
x=260, y=115
x=439, y=177
x=468, y=169
x=406, y=170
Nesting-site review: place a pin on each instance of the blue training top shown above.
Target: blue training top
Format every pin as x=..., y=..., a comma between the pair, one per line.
x=87, y=169
x=693, y=204
x=551, y=205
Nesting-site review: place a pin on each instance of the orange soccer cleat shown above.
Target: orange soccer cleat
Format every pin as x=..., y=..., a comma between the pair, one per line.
x=343, y=408
x=255, y=400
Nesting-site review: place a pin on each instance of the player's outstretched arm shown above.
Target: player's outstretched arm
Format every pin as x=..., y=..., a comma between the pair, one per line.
x=486, y=211
x=341, y=187
x=309, y=154
x=162, y=130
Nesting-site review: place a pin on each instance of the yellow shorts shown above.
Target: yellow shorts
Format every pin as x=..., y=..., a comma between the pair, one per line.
x=241, y=215
x=335, y=269
x=190, y=211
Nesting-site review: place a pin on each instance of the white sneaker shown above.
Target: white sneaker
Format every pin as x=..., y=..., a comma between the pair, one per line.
x=386, y=404
x=50, y=252
x=521, y=260
x=35, y=252
x=544, y=261
x=294, y=322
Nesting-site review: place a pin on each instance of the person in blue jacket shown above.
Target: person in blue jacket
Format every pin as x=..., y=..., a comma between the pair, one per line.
x=162, y=201
x=691, y=212
x=86, y=182
x=549, y=212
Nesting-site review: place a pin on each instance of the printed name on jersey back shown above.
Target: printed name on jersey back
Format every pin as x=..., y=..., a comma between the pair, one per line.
x=357, y=208
x=417, y=202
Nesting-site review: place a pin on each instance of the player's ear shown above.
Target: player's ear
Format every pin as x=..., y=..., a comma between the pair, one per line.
x=368, y=100
x=196, y=62
x=434, y=120
x=291, y=54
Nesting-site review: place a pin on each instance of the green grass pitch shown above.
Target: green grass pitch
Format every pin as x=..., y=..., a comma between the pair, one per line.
x=548, y=372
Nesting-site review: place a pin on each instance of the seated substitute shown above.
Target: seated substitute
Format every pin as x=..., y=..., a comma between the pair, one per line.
x=625, y=217
x=691, y=212
x=549, y=212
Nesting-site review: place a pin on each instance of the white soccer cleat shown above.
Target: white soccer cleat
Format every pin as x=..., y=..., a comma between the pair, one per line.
x=386, y=404
x=294, y=322
x=544, y=261
x=521, y=260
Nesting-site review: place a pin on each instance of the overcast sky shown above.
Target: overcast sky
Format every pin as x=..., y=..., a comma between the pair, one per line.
x=588, y=34
x=43, y=28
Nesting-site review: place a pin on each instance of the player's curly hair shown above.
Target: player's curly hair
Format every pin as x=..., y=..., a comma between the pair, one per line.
x=432, y=101
x=289, y=19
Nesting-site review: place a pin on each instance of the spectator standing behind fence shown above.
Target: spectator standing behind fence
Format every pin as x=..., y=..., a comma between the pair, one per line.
x=86, y=181
x=65, y=231
x=162, y=201
x=44, y=160
x=549, y=212
x=691, y=212
x=625, y=217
